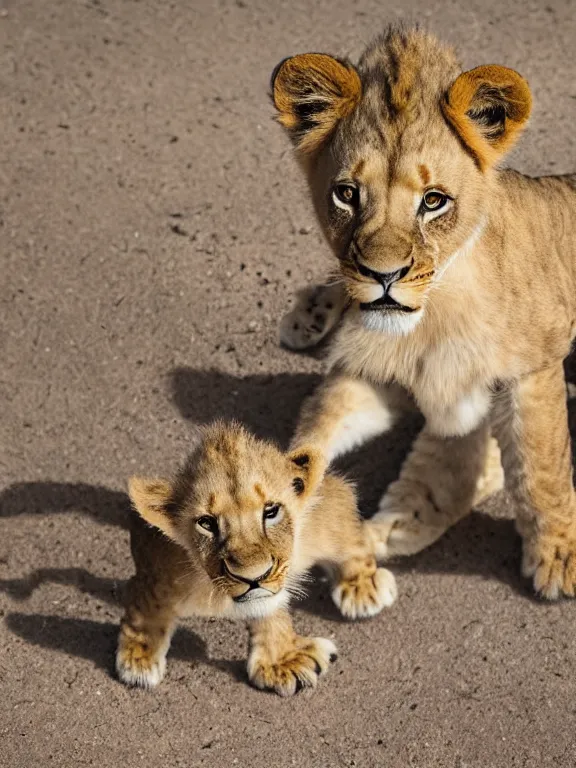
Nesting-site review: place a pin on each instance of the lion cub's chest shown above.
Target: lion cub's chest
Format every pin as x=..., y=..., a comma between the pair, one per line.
x=449, y=379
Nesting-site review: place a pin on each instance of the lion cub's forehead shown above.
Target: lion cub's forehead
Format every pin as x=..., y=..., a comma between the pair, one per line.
x=236, y=468
x=404, y=76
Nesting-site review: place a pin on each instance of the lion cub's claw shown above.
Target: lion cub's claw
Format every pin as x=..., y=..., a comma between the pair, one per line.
x=297, y=668
x=552, y=565
x=366, y=594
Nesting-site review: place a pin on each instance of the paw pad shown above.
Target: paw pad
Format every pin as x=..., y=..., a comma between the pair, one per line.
x=317, y=311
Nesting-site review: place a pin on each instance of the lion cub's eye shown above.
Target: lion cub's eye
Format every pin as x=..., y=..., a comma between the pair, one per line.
x=272, y=513
x=208, y=523
x=346, y=194
x=433, y=201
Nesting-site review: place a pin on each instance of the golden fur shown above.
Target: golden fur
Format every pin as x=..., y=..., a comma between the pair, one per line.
x=462, y=291
x=234, y=536
x=334, y=94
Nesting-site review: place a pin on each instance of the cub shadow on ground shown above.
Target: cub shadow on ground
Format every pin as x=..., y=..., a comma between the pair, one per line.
x=477, y=546
x=95, y=641
x=103, y=505
x=266, y=403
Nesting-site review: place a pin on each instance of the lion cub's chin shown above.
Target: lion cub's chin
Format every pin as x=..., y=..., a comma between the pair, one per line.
x=259, y=606
x=392, y=322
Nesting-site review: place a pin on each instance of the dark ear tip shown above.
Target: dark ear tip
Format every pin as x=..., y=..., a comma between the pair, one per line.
x=275, y=71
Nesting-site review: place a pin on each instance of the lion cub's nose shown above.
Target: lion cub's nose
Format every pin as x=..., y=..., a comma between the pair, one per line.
x=248, y=573
x=386, y=279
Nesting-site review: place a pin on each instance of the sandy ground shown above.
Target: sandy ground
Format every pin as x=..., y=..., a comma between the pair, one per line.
x=152, y=229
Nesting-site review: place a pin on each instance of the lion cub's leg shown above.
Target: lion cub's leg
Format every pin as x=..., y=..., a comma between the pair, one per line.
x=145, y=634
x=317, y=311
x=345, y=412
x=282, y=661
x=151, y=601
x=360, y=588
x=339, y=541
x=532, y=427
x=439, y=482
x=436, y=489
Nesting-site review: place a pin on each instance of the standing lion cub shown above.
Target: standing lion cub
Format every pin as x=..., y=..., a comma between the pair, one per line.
x=233, y=536
x=460, y=281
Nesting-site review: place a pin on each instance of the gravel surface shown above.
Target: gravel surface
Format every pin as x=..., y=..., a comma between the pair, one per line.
x=153, y=227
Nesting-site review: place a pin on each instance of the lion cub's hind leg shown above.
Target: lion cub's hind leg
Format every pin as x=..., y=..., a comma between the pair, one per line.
x=282, y=661
x=439, y=482
x=436, y=489
x=317, y=311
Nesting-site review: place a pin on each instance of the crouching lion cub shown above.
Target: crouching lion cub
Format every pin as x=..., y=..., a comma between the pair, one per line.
x=233, y=536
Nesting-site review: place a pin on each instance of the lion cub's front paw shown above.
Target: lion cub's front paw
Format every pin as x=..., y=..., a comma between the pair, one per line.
x=138, y=661
x=317, y=311
x=298, y=667
x=365, y=594
x=551, y=562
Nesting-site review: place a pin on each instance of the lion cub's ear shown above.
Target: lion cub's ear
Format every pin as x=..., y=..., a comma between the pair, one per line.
x=312, y=92
x=151, y=499
x=488, y=106
x=309, y=467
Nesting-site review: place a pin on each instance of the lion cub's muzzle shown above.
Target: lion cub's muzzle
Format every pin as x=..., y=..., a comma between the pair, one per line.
x=255, y=587
x=386, y=280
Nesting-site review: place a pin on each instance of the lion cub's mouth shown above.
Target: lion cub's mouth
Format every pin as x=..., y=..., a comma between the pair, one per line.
x=385, y=303
x=254, y=593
